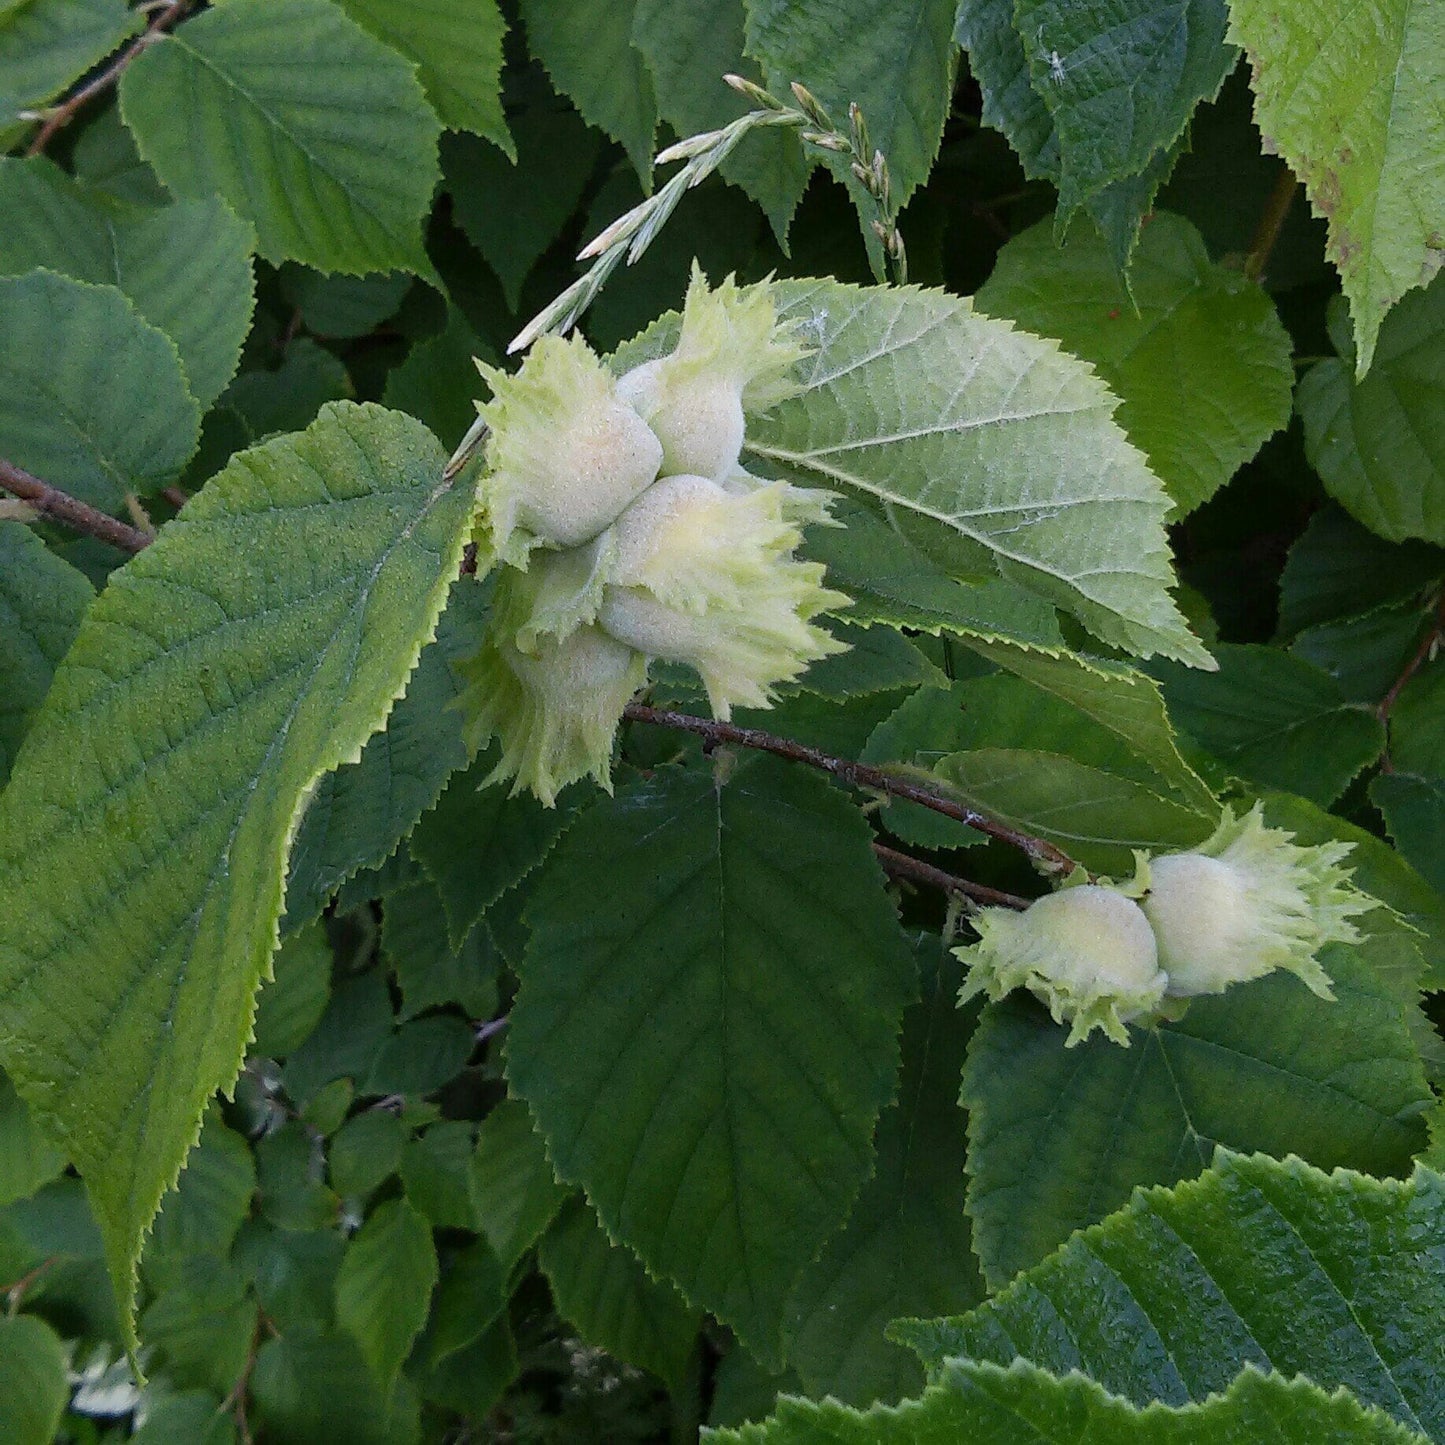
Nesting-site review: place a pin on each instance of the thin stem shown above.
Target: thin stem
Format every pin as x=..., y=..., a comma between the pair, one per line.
x=1271, y=223
x=161, y=21
x=901, y=865
x=860, y=775
x=62, y=507
x=1429, y=644
x=15, y=1291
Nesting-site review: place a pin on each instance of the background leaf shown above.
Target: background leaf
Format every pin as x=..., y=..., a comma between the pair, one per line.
x=706, y=1045
x=1195, y=353
x=333, y=162
x=186, y=266
x=42, y=602
x=45, y=44
x=33, y=1384
x=1349, y=96
x=1375, y=440
x=62, y=414
x=299, y=589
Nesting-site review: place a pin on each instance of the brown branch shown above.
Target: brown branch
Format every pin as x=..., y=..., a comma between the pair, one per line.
x=900, y=865
x=65, y=112
x=1434, y=636
x=860, y=775
x=1271, y=223
x=14, y=1292
x=62, y=507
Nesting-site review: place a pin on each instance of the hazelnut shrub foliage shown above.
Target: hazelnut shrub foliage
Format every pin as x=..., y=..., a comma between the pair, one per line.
x=536, y=946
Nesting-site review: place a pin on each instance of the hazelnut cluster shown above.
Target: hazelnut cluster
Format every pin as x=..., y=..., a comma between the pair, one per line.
x=628, y=530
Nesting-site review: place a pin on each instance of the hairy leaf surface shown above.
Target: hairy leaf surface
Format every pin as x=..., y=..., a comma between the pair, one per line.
x=1196, y=353
x=1260, y=1263
x=985, y=445
x=254, y=647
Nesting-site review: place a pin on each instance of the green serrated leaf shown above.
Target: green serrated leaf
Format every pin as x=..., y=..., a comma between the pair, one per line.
x=1349, y=94
x=457, y=47
x=1195, y=352
x=437, y=381
x=1097, y=817
x=385, y=1285
x=356, y=1023
x=342, y=307
x=256, y=645
x=1023, y=468
x=61, y=415
x=718, y=991
x=333, y=162
x=689, y=45
x=1275, y=719
x=514, y=1190
x=894, y=63
x=1023, y=1405
x=45, y=44
x=109, y=165
x=359, y=814
x=1373, y=439
x=192, y=1417
x=364, y=1152
x=42, y=602
x=201, y=1323
x=472, y=1294
x=603, y=1291
x=476, y=843
x=421, y=1056
x=290, y=1178
x=186, y=266
x=586, y=47
x=878, y=659
x=1339, y=569
x=429, y=971
x=908, y=1236
x=293, y=1271
x=1120, y=79
x=436, y=1170
x=211, y=1200
x=1414, y=811
x=33, y=1384
x=1059, y=1137
x=1258, y=1263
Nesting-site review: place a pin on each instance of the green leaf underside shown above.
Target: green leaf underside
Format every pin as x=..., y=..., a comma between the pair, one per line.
x=1276, y=719
x=42, y=601
x=1096, y=816
x=602, y=1289
x=706, y=1043
x=586, y=47
x=1376, y=441
x=457, y=48
x=689, y=45
x=309, y=127
x=186, y=267
x=63, y=417
x=254, y=647
x=1059, y=1137
x=895, y=63
x=983, y=444
x=1349, y=95
x=1023, y=1405
x=1257, y=1263
x=907, y=1238
x=359, y=814
x=1196, y=353
x=46, y=44
x=1127, y=78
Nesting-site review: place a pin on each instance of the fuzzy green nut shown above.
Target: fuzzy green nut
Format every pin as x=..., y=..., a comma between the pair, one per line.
x=731, y=358
x=1247, y=901
x=567, y=453
x=706, y=576
x=1087, y=952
